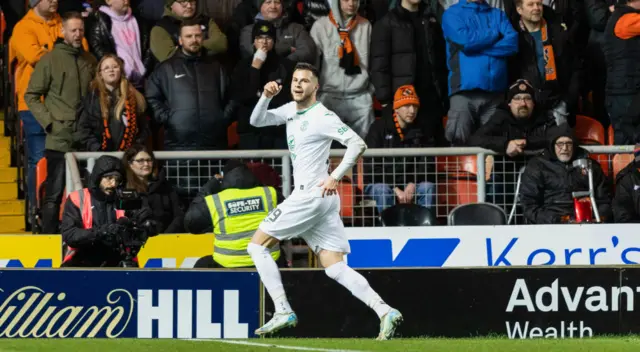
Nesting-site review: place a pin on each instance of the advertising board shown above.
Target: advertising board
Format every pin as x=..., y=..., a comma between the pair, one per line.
x=128, y=304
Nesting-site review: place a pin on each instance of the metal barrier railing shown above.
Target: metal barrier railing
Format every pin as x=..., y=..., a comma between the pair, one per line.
x=451, y=173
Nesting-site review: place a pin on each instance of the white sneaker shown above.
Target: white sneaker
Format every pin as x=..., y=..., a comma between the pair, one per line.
x=388, y=324
x=278, y=322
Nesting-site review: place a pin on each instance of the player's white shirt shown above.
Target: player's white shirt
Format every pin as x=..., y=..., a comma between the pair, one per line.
x=309, y=136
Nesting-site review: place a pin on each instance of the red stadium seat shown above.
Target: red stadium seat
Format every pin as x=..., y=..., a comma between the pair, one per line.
x=610, y=135
x=232, y=135
x=620, y=161
x=589, y=131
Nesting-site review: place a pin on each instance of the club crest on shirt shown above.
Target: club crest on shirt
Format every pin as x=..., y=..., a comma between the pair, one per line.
x=304, y=126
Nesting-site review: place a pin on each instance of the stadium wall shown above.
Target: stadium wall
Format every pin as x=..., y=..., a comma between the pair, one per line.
x=551, y=302
x=393, y=247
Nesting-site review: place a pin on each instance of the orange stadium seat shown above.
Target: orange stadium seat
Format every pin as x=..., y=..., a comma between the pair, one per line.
x=610, y=135
x=589, y=131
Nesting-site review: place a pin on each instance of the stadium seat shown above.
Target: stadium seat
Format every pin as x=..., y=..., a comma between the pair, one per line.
x=610, y=135
x=232, y=135
x=347, y=194
x=620, y=161
x=589, y=131
x=457, y=180
x=477, y=214
x=407, y=215
x=265, y=174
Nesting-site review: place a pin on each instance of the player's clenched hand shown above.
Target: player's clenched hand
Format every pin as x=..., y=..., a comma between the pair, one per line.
x=329, y=186
x=271, y=89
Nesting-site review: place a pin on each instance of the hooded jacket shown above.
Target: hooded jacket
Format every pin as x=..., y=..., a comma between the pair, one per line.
x=547, y=184
x=197, y=220
x=503, y=128
x=62, y=77
x=288, y=35
x=91, y=251
x=332, y=77
x=398, y=171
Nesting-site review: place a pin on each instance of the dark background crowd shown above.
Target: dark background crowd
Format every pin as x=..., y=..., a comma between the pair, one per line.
x=179, y=75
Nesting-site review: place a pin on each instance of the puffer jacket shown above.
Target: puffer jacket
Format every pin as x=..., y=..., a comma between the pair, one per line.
x=332, y=77
x=90, y=250
x=547, y=184
x=289, y=35
x=479, y=41
x=101, y=40
x=394, y=56
x=187, y=95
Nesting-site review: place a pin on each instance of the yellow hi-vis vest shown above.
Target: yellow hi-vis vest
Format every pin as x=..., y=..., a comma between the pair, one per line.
x=236, y=215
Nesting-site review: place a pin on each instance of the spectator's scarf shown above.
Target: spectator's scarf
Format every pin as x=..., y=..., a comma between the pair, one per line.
x=126, y=35
x=550, y=73
x=130, y=121
x=349, y=59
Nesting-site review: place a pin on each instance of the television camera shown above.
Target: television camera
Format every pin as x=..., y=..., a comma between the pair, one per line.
x=137, y=226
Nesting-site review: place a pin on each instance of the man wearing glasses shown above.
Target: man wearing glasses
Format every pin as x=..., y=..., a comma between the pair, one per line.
x=549, y=180
x=165, y=34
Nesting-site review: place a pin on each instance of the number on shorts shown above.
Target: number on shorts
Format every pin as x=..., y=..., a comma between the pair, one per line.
x=273, y=215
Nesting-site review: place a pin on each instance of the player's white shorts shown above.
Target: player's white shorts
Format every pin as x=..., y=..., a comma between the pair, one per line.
x=309, y=216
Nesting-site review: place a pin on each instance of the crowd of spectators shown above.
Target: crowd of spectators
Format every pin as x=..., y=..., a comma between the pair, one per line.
x=105, y=75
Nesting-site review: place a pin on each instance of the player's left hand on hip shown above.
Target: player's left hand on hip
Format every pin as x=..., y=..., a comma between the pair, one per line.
x=329, y=186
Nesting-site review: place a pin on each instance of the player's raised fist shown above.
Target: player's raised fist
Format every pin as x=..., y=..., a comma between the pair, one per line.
x=272, y=89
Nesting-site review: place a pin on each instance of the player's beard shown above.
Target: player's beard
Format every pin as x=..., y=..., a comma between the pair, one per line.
x=305, y=100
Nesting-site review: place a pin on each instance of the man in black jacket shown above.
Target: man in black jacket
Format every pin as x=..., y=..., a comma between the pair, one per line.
x=399, y=179
x=519, y=127
x=547, y=57
x=249, y=78
x=408, y=47
x=626, y=201
x=550, y=179
x=187, y=95
x=91, y=222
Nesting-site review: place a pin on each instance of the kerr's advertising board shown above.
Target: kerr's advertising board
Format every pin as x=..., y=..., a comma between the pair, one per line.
x=128, y=304
x=391, y=247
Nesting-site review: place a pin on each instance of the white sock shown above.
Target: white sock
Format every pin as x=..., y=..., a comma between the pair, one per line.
x=270, y=276
x=358, y=285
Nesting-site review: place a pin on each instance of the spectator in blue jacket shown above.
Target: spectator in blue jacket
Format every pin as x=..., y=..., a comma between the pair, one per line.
x=479, y=41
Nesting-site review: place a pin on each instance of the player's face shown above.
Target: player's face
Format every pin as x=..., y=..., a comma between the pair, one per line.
x=303, y=86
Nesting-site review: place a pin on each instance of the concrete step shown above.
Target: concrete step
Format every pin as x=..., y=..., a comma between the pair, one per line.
x=8, y=174
x=8, y=191
x=11, y=207
x=12, y=224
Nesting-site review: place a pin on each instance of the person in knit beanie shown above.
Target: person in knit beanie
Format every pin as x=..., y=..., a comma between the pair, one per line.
x=400, y=180
x=626, y=201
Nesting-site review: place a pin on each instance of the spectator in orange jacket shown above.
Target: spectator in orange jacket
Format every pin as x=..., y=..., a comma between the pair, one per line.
x=33, y=36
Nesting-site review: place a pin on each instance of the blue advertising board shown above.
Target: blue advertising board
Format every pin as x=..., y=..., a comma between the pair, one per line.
x=128, y=304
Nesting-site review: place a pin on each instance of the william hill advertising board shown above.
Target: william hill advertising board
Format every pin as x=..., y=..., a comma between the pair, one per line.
x=128, y=304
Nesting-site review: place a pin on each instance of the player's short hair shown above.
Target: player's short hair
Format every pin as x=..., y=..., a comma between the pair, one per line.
x=72, y=15
x=303, y=66
x=190, y=22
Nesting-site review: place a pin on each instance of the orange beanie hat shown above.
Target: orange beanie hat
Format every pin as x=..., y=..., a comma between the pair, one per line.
x=405, y=95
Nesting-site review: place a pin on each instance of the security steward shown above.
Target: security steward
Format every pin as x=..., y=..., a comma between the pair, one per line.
x=90, y=221
x=232, y=206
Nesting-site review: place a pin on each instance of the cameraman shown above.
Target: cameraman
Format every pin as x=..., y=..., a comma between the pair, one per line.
x=231, y=206
x=91, y=224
